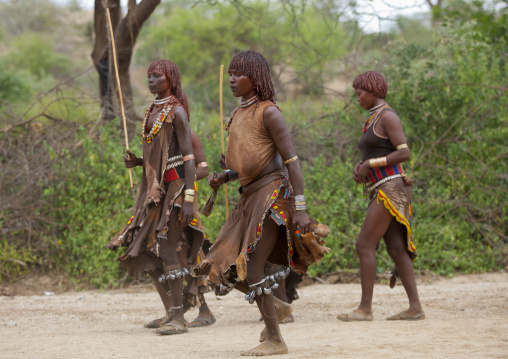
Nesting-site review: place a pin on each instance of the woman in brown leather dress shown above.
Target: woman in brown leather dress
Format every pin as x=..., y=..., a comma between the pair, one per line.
x=383, y=147
x=189, y=256
x=166, y=206
x=271, y=213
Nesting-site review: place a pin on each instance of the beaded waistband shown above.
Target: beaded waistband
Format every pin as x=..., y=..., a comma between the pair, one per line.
x=173, y=162
x=372, y=186
x=378, y=173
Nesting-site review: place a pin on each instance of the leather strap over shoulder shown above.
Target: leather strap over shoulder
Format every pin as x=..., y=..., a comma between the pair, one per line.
x=231, y=118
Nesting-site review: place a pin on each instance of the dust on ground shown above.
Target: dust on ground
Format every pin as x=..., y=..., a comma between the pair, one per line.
x=467, y=317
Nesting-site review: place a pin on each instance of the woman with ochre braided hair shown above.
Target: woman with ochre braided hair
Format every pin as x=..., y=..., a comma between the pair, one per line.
x=269, y=222
x=166, y=206
x=196, y=287
x=383, y=147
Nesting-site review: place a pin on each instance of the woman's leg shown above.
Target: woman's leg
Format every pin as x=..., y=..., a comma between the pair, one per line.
x=170, y=259
x=274, y=343
x=375, y=225
x=396, y=245
x=163, y=290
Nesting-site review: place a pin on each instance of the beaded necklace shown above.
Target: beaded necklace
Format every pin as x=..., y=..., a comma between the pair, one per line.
x=373, y=114
x=157, y=125
x=249, y=102
x=162, y=101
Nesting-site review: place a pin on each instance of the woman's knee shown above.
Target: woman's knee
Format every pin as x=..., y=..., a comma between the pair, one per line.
x=255, y=274
x=395, y=251
x=364, y=247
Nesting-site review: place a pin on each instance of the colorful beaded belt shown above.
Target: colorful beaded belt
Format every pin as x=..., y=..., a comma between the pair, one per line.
x=378, y=173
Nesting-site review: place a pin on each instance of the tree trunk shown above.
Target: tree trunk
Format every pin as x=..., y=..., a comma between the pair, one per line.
x=125, y=33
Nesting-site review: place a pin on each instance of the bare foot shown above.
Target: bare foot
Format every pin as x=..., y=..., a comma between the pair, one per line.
x=289, y=319
x=267, y=348
x=283, y=311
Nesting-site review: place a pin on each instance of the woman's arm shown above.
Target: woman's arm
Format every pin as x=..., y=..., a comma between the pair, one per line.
x=276, y=126
x=199, y=157
x=389, y=125
x=183, y=136
x=130, y=160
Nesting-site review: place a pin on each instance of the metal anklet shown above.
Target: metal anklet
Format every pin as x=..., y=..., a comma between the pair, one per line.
x=173, y=273
x=228, y=287
x=179, y=307
x=283, y=274
x=264, y=287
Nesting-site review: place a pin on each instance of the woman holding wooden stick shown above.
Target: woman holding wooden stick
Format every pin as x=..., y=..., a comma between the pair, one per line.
x=166, y=206
x=269, y=222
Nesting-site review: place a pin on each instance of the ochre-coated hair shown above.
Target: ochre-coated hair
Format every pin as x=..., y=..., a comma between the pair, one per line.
x=255, y=67
x=170, y=69
x=185, y=104
x=373, y=82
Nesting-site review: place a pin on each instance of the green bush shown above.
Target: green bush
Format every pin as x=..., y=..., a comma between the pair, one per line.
x=14, y=261
x=93, y=204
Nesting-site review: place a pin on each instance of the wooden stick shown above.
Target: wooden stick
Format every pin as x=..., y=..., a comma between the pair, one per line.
x=221, y=80
x=119, y=89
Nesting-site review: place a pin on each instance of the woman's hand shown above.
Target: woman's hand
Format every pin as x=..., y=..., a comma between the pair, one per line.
x=301, y=219
x=130, y=160
x=355, y=171
x=186, y=213
x=362, y=171
x=215, y=180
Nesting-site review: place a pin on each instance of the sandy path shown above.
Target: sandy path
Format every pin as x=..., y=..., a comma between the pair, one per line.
x=467, y=317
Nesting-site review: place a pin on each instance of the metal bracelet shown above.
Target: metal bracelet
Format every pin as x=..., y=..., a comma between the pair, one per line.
x=188, y=158
x=232, y=176
x=189, y=192
x=300, y=198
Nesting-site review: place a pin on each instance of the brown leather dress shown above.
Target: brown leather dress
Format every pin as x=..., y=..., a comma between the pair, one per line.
x=250, y=149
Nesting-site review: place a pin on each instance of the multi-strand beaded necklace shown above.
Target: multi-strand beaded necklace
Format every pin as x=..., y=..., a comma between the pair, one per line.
x=249, y=102
x=158, y=123
x=373, y=113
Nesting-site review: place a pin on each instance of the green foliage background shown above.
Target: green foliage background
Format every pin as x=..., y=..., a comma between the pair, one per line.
x=449, y=89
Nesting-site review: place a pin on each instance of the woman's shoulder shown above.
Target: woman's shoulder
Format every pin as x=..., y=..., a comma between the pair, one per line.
x=389, y=114
x=269, y=108
x=267, y=103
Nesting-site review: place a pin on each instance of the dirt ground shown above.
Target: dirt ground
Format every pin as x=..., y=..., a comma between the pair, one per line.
x=467, y=317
